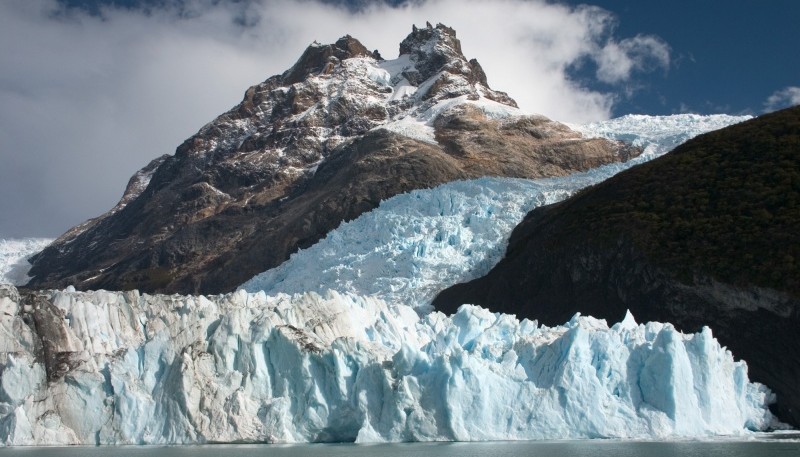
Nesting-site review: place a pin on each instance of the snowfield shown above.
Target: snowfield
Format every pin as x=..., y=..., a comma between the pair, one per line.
x=657, y=134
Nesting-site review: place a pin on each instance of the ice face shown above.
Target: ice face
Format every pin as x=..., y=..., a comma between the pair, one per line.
x=339, y=367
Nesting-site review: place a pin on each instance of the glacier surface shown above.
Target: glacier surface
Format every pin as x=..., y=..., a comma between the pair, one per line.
x=417, y=244
x=657, y=134
x=14, y=255
x=125, y=368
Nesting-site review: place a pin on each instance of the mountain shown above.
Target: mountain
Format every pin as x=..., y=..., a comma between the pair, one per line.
x=705, y=235
x=340, y=343
x=322, y=143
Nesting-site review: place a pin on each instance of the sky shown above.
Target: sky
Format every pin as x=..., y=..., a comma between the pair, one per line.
x=92, y=90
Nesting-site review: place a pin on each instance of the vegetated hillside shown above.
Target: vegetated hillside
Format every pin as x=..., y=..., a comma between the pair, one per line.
x=320, y=144
x=709, y=234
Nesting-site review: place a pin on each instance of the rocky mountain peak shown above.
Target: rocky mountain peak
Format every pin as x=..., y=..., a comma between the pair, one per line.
x=322, y=58
x=428, y=41
x=436, y=54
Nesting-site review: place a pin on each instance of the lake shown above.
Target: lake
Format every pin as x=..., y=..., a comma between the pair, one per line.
x=788, y=445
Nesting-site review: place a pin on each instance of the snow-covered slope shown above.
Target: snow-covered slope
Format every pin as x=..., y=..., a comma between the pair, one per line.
x=14, y=255
x=415, y=245
x=127, y=368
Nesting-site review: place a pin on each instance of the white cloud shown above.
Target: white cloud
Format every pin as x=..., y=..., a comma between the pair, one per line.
x=616, y=61
x=784, y=98
x=87, y=100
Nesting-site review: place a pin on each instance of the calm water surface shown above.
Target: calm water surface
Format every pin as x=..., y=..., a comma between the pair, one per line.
x=778, y=448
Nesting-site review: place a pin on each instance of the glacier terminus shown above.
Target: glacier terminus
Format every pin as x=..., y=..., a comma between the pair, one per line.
x=125, y=368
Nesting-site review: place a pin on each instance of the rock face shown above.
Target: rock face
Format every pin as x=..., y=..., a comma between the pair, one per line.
x=322, y=143
x=706, y=235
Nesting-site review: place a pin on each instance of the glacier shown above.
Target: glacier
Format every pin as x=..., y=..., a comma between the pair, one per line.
x=657, y=135
x=14, y=255
x=126, y=368
x=340, y=344
x=416, y=244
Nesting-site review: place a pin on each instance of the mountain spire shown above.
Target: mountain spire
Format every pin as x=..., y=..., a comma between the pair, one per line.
x=437, y=50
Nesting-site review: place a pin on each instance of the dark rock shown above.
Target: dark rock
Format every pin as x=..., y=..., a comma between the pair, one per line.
x=53, y=346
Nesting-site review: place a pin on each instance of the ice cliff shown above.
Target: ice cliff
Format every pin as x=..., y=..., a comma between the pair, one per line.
x=127, y=368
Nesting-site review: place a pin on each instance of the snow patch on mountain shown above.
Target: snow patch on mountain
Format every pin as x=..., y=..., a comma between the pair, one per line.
x=14, y=254
x=124, y=368
x=416, y=244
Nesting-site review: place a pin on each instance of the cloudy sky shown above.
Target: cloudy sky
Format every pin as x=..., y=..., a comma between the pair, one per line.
x=91, y=90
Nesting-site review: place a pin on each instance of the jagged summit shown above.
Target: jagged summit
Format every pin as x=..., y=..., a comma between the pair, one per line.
x=436, y=50
x=430, y=41
x=323, y=58
x=323, y=142
x=430, y=60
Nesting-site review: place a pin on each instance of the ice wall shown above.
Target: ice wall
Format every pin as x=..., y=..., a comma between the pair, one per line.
x=113, y=367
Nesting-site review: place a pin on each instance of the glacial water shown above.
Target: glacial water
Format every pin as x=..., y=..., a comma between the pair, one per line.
x=585, y=448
